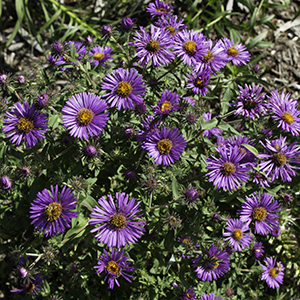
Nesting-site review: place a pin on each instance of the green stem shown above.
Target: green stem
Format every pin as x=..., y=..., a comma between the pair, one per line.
x=169, y=71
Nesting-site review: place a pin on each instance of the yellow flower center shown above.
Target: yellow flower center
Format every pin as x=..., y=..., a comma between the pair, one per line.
x=198, y=82
x=287, y=118
x=25, y=125
x=243, y=151
x=188, y=295
x=232, y=52
x=237, y=234
x=124, y=88
x=171, y=29
x=153, y=46
x=117, y=221
x=113, y=267
x=53, y=211
x=29, y=287
x=228, y=168
x=259, y=213
x=161, y=10
x=84, y=117
x=249, y=104
x=273, y=273
x=214, y=262
x=164, y=146
x=186, y=241
x=208, y=56
x=279, y=158
x=166, y=106
x=98, y=56
x=190, y=47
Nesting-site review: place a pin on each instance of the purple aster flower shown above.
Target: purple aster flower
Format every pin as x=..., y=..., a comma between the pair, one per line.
x=114, y=265
x=21, y=79
x=260, y=209
x=261, y=179
x=52, y=211
x=127, y=24
x=189, y=294
x=106, y=30
x=250, y=101
x=57, y=47
x=170, y=24
x=198, y=80
x=30, y=287
x=42, y=100
x=5, y=183
x=82, y=115
x=119, y=224
x=238, y=234
x=279, y=158
x=237, y=54
x=215, y=57
x=153, y=46
x=228, y=172
x=168, y=102
x=257, y=68
x=213, y=131
x=165, y=145
x=284, y=112
x=125, y=87
x=276, y=231
x=24, y=122
x=190, y=46
x=100, y=55
x=3, y=78
x=273, y=272
x=159, y=8
x=210, y=297
x=212, y=264
x=90, y=150
x=191, y=195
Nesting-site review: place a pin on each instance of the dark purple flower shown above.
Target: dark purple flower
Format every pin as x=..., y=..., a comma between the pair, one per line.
x=118, y=224
x=250, y=101
x=229, y=292
x=190, y=46
x=279, y=158
x=210, y=297
x=106, y=30
x=128, y=131
x=3, y=78
x=114, y=265
x=90, y=150
x=52, y=211
x=168, y=102
x=260, y=209
x=141, y=107
x=213, y=131
x=170, y=24
x=273, y=273
x=24, y=122
x=228, y=172
x=257, y=68
x=30, y=287
x=285, y=112
x=238, y=234
x=21, y=79
x=237, y=54
x=129, y=175
x=5, y=182
x=191, y=195
x=153, y=46
x=212, y=264
x=100, y=55
x=125, y=87
x=159, y=8
x=42, y=100
x=189, y=294
x=198, y=80
x=83, y=115
x=276, y=231
x=165, y=145
x=88, y=40
x=25, y=171
x=127, y=24
x=57, y=47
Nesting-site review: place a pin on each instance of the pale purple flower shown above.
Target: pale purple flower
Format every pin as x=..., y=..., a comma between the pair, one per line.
x=273, y=272
x=237, y=54
x=100, y=55
x=171, y=24
x=159, y=8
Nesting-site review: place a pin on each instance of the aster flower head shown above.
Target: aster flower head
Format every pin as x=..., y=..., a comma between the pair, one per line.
x=198, y=80
x=100, y=55
x=168, y=102
x=114, y=265
x=127, y=24
x=273, y=272
x=83, y=115
x=117, y=224
x=189, y=294
x=190, y=46
x=42, y=100
x=171, y=24
x=237, y=54
x=24, y=122
x=238, y=234
x=52, y=211
x=32, y=287
x=213, y=131
x=21, y=79
x=212, y=264
x=228, y=172
x=260, y=209
x=215, y=57
x=284, y=111
x=210, y=297
x=5, y=182
x=153, y=46
x=250, y=101
x=106, y=30
x=159, y=8
x=125, y=88
x=165, y=145
x=280, y=159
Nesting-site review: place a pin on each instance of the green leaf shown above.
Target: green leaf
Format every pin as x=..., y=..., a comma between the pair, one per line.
x=253, y=18
x=89, y=202
x=256, y=40
x=210, y=124
x=175, y=188
x=250, y=148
